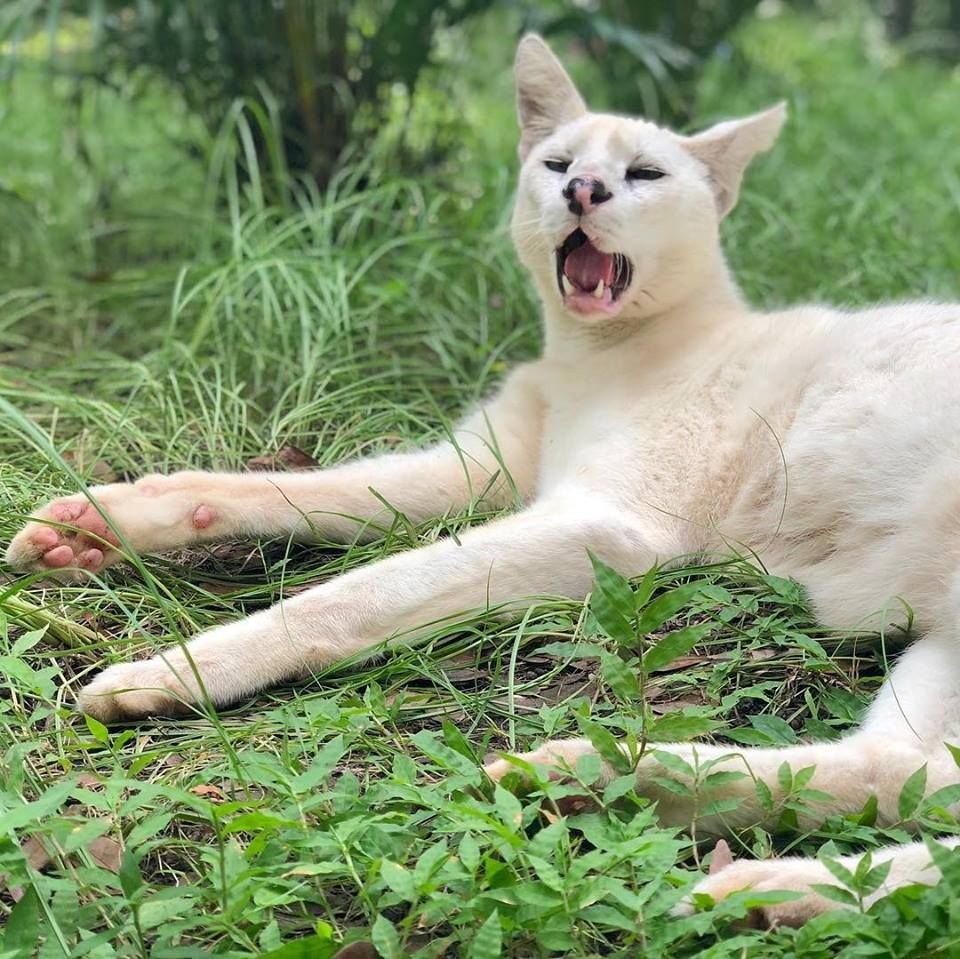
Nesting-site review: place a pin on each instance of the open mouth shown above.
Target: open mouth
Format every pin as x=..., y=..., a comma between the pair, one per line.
x=590, y=280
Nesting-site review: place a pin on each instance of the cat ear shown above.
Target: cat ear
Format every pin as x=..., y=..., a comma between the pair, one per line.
x=722, y=857
x=546, y=96
x=727, y=148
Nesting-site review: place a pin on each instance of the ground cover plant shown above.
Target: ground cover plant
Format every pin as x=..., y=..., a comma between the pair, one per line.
x=161, y=310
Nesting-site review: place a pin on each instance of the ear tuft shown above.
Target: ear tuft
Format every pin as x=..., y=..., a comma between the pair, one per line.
x=546, y=96
x=727, y=149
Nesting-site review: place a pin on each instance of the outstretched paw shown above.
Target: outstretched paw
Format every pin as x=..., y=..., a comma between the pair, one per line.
x=67, y=535
x=156, y=513
x=129, y=691
x=561, y=755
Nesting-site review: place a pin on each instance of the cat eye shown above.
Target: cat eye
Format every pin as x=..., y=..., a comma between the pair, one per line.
x=558, y=166
x=644, y=173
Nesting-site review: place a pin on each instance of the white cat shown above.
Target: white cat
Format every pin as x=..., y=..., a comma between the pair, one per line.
x=664, y=418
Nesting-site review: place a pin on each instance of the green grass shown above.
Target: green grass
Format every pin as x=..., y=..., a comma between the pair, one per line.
x=156, y=314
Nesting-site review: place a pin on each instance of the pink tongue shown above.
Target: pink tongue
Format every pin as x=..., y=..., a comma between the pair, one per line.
x=586, y=266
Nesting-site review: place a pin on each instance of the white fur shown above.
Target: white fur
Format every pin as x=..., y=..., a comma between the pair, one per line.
x=824, y=440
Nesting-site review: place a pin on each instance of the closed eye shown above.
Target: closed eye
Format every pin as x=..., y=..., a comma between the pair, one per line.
x=557, y=166
x=644, y=173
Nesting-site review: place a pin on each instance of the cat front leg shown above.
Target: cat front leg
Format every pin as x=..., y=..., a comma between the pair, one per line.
x=492, y=458
x=542, y=551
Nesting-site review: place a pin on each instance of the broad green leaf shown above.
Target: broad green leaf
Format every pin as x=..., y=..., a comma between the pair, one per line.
x=911, y=795
x=612, y=603
x=839, y=871
x=785, y=778
x=608, y=917
x=428, y=863
x=868, y=815
x=673, y=645
x=156, y=911
x=386, y=938
x=676, y=764
x=537, y=894
x=675, y=786
x=546, y=872
x=666, y=606
x=645, y=587
x=835, y=893
x=943, y=798
x=813, y=796
x=619, y=676
x=444, y=756
x=19, y=937
x=469, y=853
x=99, y=732
x=605, y=744
x=784, y=588
x=147, y=828
x=399, y=879
x=615, y=587
x=680, y=726
x=874, y=878
x=803, y=776
x=764, y=796
x=130, y=879
x=946, y=859
x=619, y=788
x=488, y=939
x=567, y=650
x=27, y=641
x=720, y=807
x=457, y=741
x=547, y=841
x=258, y=822
x=588, y=768
x=321, y=766
x=723, y=777
x=310, y=947
x=20, y=672
x=776, y=730
x=508, y=808
x=811, y=646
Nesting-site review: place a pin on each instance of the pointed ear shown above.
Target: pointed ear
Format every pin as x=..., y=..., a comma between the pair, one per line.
x=546, y=96
x=722, y=857
x=728, y=148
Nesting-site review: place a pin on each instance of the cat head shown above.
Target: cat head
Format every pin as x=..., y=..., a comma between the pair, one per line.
x=616, y=215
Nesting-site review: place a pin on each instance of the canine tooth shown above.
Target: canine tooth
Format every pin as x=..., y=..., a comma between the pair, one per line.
x=598, y=292
x=567, y=285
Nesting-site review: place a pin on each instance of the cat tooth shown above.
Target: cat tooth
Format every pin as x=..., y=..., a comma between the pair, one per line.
x=567, y=285
x=598, y=292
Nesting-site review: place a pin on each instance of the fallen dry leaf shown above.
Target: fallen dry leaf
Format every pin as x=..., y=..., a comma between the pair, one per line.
x=36, y=853
x=289, y=457
x=213, y=793
x=106, y=853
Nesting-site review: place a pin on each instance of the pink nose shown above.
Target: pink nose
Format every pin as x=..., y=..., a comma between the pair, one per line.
x=584, y=196
x=583, y=193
